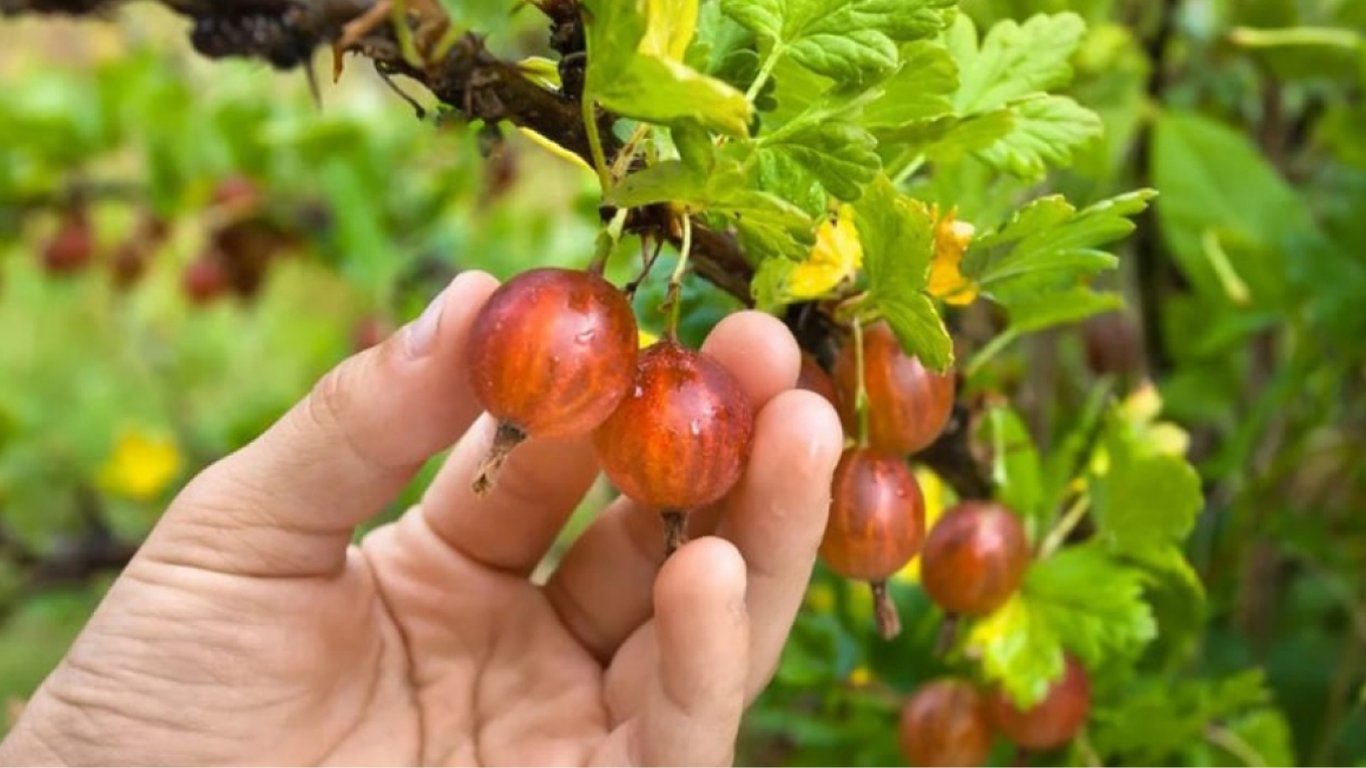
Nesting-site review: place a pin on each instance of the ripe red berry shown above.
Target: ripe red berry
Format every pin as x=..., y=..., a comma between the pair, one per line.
x=813, y=377
x=1113, y=345
x=204, y=279
x=1053, y=721
x=876, y=524
x=945, y=723
x=975, y=558
x=72, y=247
x=551, y=354
x=908, y=404
x=681, y=438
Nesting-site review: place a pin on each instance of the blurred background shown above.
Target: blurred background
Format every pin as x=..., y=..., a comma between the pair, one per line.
x=186, y=245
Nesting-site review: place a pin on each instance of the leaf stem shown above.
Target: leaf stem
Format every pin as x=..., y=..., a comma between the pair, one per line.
x=675, y=295
x=590, y=127
x=1058, y=536
x=398, y=17
x=1249, y=37
x=861, y=390
x=1234, y=744
x=993, y=348
x=765, y=72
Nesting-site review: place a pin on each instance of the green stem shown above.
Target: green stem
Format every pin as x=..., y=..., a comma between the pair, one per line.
x=1058, y=536
x=590, y=127
x=1249, y=37
x=675, y=295
x=992, y=349
x=1234, y=744
x=916, y=163
x=607, y=242
x=398, y=18
x=861, y=391
x=765, y=72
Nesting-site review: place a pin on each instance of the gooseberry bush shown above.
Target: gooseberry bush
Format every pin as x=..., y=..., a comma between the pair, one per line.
x=919, y=190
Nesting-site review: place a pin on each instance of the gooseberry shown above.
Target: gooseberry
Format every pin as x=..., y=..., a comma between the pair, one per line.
x=975, y=558
x=945, y=723
x=1054, y=720
x=908, y=404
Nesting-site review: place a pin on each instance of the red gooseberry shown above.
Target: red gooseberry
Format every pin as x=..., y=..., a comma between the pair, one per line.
x=551, y=354
x=876, y=524
x=908, y=404
x=681, y=438
x=1054, y=720
x=944, y=723
x=975, y=558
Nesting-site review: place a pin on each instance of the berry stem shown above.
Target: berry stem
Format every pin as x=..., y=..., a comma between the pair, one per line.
x=507, y=437
x=675, y=531
x=888, y=621
x=590, y=128
x=607, y=242
x=675, y=295
x=948, y=636
x=861, y=391
x=1070, y=519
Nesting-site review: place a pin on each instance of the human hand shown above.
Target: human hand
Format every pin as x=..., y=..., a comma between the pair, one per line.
x=248, y=628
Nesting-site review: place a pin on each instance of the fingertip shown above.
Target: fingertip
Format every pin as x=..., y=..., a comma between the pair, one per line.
x=759, y=350
x=809, y=419
x=705, y=570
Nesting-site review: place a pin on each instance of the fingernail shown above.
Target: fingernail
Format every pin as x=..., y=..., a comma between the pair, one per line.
x=420, y=336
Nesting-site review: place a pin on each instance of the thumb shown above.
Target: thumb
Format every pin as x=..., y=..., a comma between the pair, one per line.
x=287, y=504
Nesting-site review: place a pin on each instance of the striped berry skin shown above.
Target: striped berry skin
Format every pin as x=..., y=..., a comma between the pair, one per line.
x=1053, y=721
x=682, y=437
x=975, y=558
x=908, y=404
x=553, y=352
x=944, y=723
x=812, y=377
x=877, y=516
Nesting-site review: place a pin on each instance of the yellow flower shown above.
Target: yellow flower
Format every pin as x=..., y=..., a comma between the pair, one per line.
x=141, y=465
x=951, y=240
x=860, y=676
x=835, y=257
x=935, y=491
x=820, y=598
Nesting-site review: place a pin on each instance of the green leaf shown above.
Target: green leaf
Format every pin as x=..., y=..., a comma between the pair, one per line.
x=667, y=181
x=949, y=138
x=1193, y=160
x=1014, y=60
x=1142, y=499
x=632, y=73
x=840, y=155
x=1015, y=470
x=1050, y=235
x=1030, y=310
x=1093, y=602
x=1046, y=132
x=897, y=235
x=922, y=88
x=851, y=41
x=1080, y=600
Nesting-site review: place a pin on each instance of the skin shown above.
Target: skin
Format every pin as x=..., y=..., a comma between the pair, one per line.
x=682, y=436
x=975, y=558
x=877, y=519
x=908, y=405
x=249, y=628
x=945, y=723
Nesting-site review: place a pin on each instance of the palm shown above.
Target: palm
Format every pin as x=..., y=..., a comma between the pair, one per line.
x=248, y=630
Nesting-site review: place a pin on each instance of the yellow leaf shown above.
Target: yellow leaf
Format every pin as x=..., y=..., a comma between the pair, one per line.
x=141, y=465
x=669, y=27
x=835, y=257
x=951, y=240
x=555, y=149
x=936, y=493
x=647, y=338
